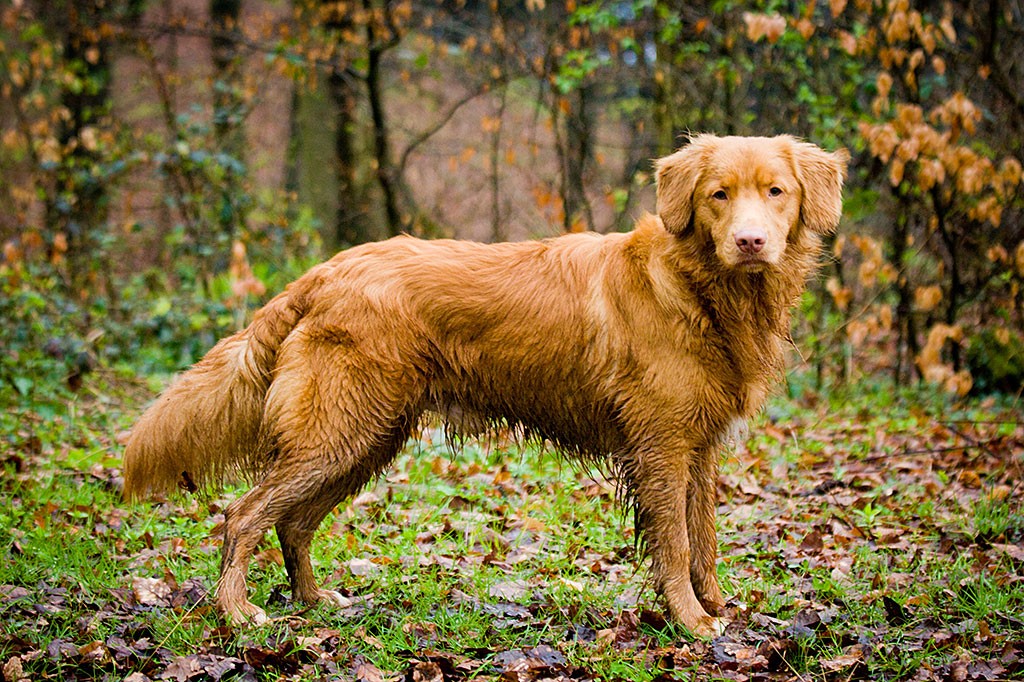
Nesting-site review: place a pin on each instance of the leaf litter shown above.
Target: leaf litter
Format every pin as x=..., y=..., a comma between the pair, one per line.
x=853, y=549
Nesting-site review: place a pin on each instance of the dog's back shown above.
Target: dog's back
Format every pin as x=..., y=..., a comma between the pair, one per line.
x=482, y=334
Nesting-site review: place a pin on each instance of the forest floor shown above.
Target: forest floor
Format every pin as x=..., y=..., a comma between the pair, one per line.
x=877, y=533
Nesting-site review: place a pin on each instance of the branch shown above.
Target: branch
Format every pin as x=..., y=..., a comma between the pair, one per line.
x=438, y=125
x=336, y=66
x=976, y=445
x=182, y=180
x=990, y=58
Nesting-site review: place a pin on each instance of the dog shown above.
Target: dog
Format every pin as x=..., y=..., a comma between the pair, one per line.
x=636, y=350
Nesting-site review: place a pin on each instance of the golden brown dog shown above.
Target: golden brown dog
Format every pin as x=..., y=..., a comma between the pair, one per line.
x=638, y=350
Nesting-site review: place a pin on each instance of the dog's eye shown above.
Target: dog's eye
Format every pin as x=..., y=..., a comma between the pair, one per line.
x=720, y=195
x=775, y=192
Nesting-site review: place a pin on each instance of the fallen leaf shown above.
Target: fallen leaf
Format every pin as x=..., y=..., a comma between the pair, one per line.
x=511, y=590
x=426, y=671
x=547, y=654
x=812, y=542
x=219, y=668
x=13, y=670
x=843, y=662
x=365, y=499
x=362, y=567
x=895, y=614
x=970, y=478
x=181, y=669
x=151, y=591
x=93, y=652
x=1015, y=552
x=364, y=671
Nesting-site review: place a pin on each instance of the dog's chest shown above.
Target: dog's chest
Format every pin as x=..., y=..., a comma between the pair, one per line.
x=740, y=367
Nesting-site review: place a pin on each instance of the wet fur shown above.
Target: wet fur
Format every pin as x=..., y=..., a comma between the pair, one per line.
x=635, y=350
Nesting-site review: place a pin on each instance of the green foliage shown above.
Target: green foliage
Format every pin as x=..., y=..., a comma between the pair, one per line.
x=996, y=361
x=211, y=199
x=154, y=322
x=576, y=66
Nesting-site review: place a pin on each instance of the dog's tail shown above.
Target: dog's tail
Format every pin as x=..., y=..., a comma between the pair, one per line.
x=208, y=423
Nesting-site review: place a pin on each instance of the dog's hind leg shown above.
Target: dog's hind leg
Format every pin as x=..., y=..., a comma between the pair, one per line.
x=245, y=522
x=295, y=532
x=295, y=496
x=297, y=525
x=336, y=420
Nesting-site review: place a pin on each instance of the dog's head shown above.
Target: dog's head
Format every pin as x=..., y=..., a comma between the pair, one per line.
x=750, y=195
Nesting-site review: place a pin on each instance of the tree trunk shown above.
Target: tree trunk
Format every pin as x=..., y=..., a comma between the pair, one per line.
x=906, y=338
x=228, y=116
x=951, y=242
x=498, y=232
x=574, y=152
x=79, y=207
x=664, y=50
x=313, y=171
x=381, y=144
x=351, y=226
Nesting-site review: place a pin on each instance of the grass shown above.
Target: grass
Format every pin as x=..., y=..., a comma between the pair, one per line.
x=857, y=543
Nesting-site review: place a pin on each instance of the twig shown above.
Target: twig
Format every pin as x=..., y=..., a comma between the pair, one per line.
x=440, y=123
x=971, y=439
x=928, y=451
x=346, y=72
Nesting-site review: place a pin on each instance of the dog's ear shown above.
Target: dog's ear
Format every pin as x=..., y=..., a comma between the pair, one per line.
x=677, y=176
x=821, y=175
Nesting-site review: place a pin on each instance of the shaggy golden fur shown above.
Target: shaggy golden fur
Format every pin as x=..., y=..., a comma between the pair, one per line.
x=637, y=350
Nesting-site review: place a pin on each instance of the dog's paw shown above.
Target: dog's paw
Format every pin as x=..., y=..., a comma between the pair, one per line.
x=246, y=614
x=333, y=598
x=709, y=627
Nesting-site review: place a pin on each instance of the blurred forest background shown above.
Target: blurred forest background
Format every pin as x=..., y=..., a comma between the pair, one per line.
x=168, y=164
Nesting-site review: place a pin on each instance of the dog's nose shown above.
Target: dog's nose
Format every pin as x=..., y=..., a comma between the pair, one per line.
x=751, y=240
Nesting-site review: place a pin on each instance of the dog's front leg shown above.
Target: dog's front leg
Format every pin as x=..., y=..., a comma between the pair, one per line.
x=700, y=522
x=662, y=479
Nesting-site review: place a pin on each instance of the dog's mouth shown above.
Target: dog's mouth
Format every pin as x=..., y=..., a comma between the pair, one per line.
x=752, y=264
x=746, y=262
